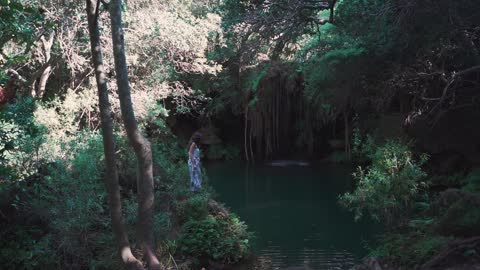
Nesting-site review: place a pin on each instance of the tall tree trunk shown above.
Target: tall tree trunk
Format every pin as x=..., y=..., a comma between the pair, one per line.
x=245, y=132
x=139, y=143
x=347, y=135
x=332, y=8
x=111, y=178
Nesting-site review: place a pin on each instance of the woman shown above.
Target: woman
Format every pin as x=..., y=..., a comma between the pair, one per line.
x=194, y=162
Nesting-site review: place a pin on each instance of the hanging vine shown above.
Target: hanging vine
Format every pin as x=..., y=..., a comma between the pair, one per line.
x=273, y=104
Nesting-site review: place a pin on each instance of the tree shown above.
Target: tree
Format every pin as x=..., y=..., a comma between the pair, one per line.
x=139, y=143
x=111, y=178
x=275, y=24
x=24, y=29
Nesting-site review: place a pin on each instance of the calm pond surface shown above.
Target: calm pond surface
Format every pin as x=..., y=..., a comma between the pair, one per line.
x=294, y=213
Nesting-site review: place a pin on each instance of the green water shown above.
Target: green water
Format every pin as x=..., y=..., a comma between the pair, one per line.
x=294, y=213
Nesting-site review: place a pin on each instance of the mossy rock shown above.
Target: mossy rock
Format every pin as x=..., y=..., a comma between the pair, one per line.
x=472, y=182
x=409, y=249
x=461, y=219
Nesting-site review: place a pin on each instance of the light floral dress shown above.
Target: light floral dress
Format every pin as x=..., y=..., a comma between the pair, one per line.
x=194, y=169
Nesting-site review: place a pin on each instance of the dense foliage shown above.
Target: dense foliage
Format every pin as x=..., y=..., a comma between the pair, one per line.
x=54, y=210
x=58, y=202
x=387, y=189
x=215, y=235
x=275, y=79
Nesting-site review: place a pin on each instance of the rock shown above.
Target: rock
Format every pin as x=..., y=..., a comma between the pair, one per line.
x=370, y=263
x=215, y=207
x=452, y=195
x=285, y=163
x=373, y=264
x=186, y=265
x=462, y=217
x=297, y=268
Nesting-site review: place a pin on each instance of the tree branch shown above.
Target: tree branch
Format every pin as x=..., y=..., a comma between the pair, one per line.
x=453, y=79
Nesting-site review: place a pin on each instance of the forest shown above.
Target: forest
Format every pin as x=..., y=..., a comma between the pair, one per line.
x=240, y=134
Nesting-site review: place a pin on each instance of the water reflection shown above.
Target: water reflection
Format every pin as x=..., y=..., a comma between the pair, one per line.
x=294, y=214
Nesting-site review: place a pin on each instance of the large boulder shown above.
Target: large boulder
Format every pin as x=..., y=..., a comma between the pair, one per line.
x=462, y=215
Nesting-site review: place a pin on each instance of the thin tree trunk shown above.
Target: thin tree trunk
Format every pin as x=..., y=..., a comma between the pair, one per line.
x=139, y=143
x=111, y=178
x=253, y=128
x=347, y=135
x=245, y=132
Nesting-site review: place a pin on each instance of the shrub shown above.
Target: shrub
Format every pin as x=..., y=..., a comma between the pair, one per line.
x=64, y=215
x=171, y=161
x=162, y=224
x=23, y=248
x=387, y=188
x=194, y=208
x=72, y=200
x=20, y=139
x=363, y=147
x=220, y=237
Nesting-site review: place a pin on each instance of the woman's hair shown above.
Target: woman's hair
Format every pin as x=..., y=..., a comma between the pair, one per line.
x=196, y=137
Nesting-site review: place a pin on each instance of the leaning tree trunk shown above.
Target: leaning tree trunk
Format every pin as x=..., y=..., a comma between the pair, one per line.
x=42, y=76
x=139, y=143
x=111, y=178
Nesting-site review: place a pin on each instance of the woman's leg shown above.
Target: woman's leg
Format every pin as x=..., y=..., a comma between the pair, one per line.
x=197, y=179
x=192, y=176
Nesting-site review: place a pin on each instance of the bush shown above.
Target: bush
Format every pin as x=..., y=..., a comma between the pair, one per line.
x=61, y=213
x=219, y=237
x=65, y=221
x=388, y=187
x=194, y=208
x=20, y=139
x=24, y=248
x=72, y=200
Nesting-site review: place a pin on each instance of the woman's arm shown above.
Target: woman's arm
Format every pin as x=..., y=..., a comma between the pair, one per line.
x=190, y=151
